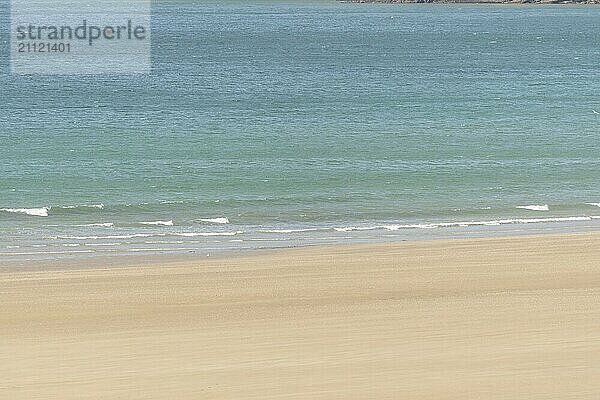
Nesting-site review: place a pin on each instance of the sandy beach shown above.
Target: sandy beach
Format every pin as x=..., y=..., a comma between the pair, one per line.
x=501, y=318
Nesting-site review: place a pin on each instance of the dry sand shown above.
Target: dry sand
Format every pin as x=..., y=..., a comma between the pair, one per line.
x=508, y=318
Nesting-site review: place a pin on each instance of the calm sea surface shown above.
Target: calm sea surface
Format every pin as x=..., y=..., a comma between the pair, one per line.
x=288, y=124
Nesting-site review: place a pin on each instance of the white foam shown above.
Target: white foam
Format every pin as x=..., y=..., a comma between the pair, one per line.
x=218, y=220
x=357, y=228
x=544, y=207
x=195, y=234
x=103, y=244
x=593, y=204
x=161, y=223
x=511, y=221
x=542, y=220
x=290, y=230
x=372, y=228
x=421, y=226
x=132, y=236
x=101, y=224
x=465, y=224
x=491, y=223
x=99, y=206
x=37, y=212
x=165, y=249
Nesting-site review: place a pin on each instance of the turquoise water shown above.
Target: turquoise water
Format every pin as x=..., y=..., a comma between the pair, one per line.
x=314, y=123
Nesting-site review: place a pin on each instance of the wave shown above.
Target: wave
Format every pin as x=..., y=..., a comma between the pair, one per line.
x=134, y=205
x=101, y=224
x=45, y=211
x=360, y=228
x=291, y=230
x=147, y=235
x=131, y=236
x=467, y=224
x=158, y=223
x=195, y=234
x=37, y=212
x=98, y=206
x=103, y=244
x=383, y=227
x=544, y=207
x=593, y=204
x=219, y=220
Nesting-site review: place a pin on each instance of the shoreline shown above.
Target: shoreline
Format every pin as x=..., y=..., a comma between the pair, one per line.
x=171, y=244
x=518, y=2
x=84, y=253
x=488, y=318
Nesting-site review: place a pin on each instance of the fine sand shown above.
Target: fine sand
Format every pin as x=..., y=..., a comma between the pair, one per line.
x=506, y=318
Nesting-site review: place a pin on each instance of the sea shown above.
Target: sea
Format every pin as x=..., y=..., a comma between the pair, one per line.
x=281, y=124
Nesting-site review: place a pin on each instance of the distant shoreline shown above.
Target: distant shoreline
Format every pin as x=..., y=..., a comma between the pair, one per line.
x=473, y=1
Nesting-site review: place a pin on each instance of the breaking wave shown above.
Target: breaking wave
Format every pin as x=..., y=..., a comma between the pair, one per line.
x=37, y=212
x=219, y=220
x=158, y=223
x=544, y=207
